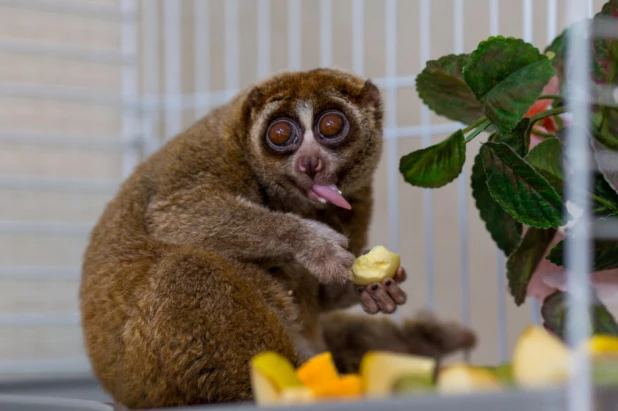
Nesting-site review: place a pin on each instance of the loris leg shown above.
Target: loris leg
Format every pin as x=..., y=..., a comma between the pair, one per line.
x=349, y=337
x=192, y=332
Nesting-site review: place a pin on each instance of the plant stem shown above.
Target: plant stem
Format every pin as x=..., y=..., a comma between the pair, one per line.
x=603, y=201
x=550, y=97
x=547, y=113
x=541, y=133
x=475, y=125
x=478, y=130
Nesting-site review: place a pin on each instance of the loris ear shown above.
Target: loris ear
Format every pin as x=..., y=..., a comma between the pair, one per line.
x=250, y=104
x=371, y=97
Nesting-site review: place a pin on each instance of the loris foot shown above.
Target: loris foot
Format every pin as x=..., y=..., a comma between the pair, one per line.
x=383, y=296
x=427, y=335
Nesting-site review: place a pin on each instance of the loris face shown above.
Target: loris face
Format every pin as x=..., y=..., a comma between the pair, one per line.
x=314, y=136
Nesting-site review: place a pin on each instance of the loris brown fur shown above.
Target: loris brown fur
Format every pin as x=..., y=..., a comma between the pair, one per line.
x=217, y=247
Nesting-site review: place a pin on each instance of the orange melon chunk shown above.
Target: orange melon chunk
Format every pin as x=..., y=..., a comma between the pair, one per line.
x=350, y=385
x=318, y=370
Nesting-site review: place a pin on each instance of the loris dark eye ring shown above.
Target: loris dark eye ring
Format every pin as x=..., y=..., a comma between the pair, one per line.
x=282, y=133
x=332, y=125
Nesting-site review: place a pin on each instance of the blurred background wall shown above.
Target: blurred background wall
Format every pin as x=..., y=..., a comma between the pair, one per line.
x=80, y=106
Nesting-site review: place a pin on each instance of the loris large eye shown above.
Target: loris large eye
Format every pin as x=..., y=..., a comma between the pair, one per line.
x=332, y=125
x=282, y=134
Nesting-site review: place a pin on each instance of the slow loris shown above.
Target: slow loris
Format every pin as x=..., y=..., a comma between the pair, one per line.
x=237, y=237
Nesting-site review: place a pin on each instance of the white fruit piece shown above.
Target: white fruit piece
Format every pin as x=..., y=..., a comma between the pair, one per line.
x=375, y=266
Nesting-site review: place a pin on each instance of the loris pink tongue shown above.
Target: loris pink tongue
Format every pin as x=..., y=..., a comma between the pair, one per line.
x=332, y=194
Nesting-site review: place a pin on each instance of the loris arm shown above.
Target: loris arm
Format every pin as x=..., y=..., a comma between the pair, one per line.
x=243, y=230
x=355, y=225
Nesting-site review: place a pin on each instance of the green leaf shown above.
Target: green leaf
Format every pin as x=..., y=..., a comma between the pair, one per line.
x=442, y=88
x=519, y=189
x=605, y=254
x=605, y=49
x=507, y=103
x=607, y=161
x=507, y=75
x=555, y=310
x=504, y=229
x=606, y=203
x=546, y=158
x=437, y=165
x=557, y=49
x=516, y=138
x=524, y=260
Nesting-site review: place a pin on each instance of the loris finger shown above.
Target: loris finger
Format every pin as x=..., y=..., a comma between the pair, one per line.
x=400, y=276
x=382, y=297
x=396, y=293
x=369, y=304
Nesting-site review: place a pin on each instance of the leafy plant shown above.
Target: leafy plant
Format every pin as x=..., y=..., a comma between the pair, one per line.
x=517, y=181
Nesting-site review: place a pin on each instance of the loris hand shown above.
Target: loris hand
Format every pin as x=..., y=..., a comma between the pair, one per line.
x=323, y=251
x=383, y=296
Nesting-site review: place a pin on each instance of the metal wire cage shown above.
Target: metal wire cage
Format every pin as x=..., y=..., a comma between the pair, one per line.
x=89, y=88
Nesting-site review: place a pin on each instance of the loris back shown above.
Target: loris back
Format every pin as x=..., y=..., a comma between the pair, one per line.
x=237, y=237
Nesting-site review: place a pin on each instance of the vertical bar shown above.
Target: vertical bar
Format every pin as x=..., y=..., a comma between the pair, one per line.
x=590, y=11
x=552, y=20
x=425, y=44
x=171, y=10
x=392, y=151
x=326, y=33
x=294, y=30
x=535, y=311
x=494, y=26
x=494, y=17
x=201, y=35
x=131, y=155
x=232, y=52
x=263, y=35
x=150, y=74
x=462, y=184
x=577, y=245
x=528, y=21
x=391, y=122
x=358, y=38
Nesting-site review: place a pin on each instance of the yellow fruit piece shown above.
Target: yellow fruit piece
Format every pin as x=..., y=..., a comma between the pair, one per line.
x=540, y=359
x=296, y=395
x=271, y=373
x=462, y=378
x=374, y=266
x=602, y=345
x=381, y=370
x=347, y=386
x=317, y=370
x=264, y=391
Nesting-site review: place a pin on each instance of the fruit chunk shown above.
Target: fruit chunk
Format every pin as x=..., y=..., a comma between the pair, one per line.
x=540, y=359
x=350, y=385
x=602, y=345
x=318, y=370
x=374, y=266
x=271, y=373
x=381, y=370
x=296, y=395
x=462, y=378
x=413, y=384
x=503, y=372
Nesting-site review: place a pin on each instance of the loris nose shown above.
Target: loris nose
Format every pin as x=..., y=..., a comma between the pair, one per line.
x=310, y=165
